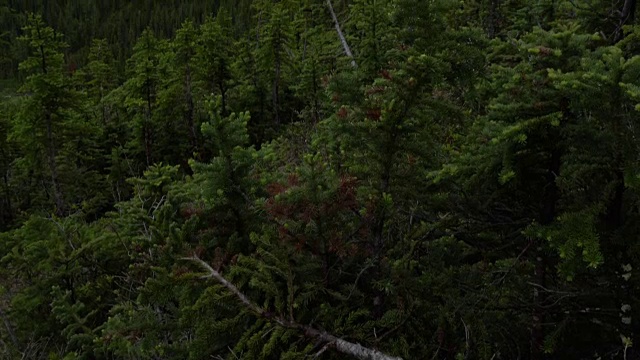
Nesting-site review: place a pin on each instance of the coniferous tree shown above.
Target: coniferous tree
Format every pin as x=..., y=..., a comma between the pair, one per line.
x=369, y=30
x=48, y=102
x=139, y=95
x=266, y=63
x=538, y=145
x=8, y=155
x=315, y=60
x=362, y=178
x=101, y=77
x=176, y=119
x=213, y=58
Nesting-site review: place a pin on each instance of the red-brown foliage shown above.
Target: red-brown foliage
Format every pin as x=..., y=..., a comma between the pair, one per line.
x=343, y=112
x=334, y=215
x=190, y=210
x=374, y=114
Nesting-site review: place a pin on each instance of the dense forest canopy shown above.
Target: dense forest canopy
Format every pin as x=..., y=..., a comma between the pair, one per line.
x=117, y=21
x=332, y=179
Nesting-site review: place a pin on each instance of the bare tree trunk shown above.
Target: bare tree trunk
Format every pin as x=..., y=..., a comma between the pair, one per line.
x=627, y=17
x=345, y=45
x=330, y=341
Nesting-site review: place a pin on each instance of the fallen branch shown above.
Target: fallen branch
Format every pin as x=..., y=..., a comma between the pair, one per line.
x=343, y=40
x=342, y=346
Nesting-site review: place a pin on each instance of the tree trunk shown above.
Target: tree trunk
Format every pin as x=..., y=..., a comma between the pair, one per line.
x=7, y=217
x=223, y=89
x=316, y=102
x=146, y=134
x=276, y=87
x=51, y=148
x=551, y=195
x=627, y=17
x=493, y=18
x=12, y=334
x=343, y=40
x=538, y=315
x=53, y=167
x=190, y=114
x=614, y=221
x=378, y=230
x=147, y=124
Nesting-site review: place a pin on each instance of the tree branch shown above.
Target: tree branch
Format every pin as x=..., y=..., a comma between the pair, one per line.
x=342, y=346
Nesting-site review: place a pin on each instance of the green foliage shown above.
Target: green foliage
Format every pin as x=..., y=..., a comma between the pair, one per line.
x=48, y=125
x=469, y=190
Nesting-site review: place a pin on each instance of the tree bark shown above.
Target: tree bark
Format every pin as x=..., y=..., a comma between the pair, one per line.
x=340, y=345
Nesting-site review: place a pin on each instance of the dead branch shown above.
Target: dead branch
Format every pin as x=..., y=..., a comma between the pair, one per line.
x=342, y=346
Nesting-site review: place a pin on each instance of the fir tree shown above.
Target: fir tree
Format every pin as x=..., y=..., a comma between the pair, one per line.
x=139, y=94
x=45, y=112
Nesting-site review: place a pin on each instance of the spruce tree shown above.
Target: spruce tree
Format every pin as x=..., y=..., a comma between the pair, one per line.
x=176, y=119
x=101, y=77
x=138, y=96
x=8, y=153
x=213, y=58
x=47, y=109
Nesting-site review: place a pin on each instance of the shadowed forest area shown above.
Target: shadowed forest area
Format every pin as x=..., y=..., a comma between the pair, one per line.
x=329, y=179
